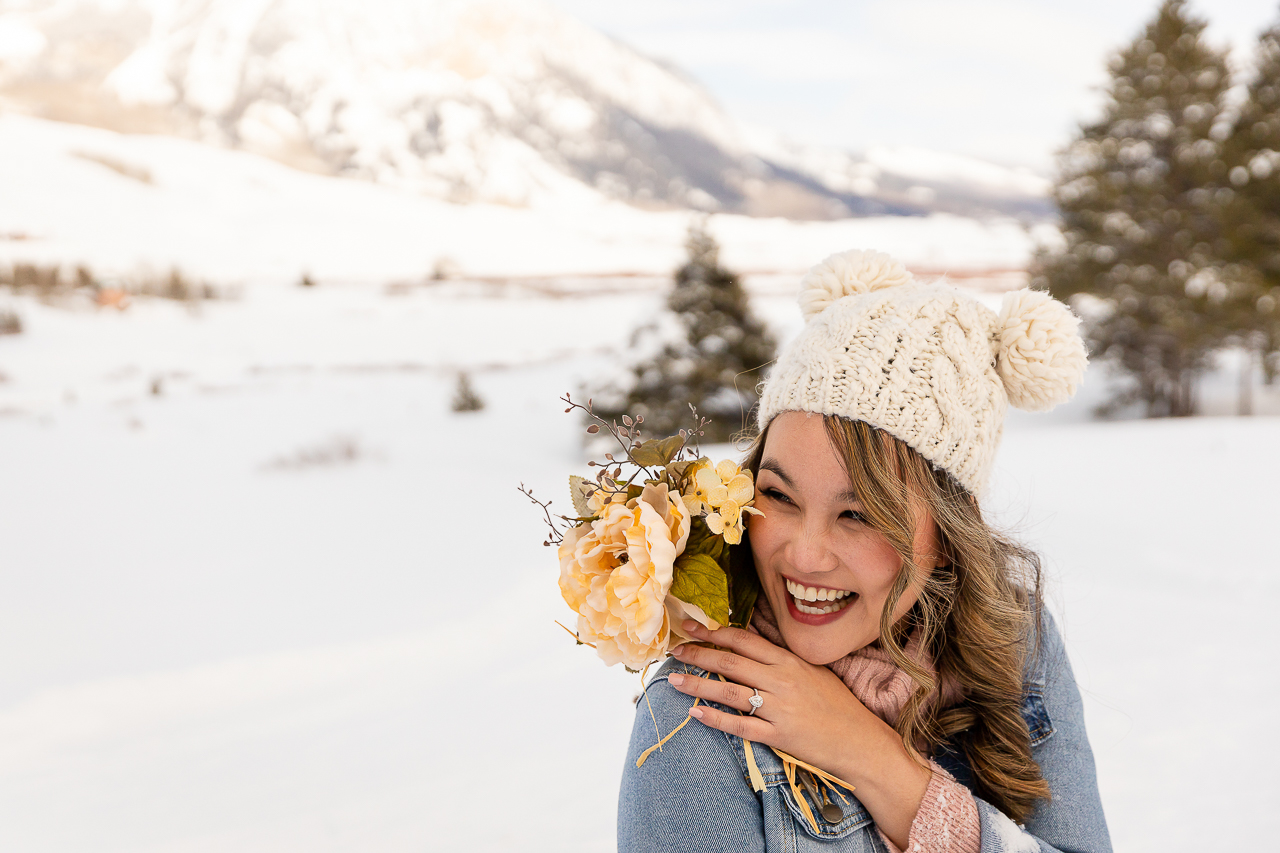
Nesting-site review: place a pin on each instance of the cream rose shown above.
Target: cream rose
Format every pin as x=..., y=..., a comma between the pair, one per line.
x=589, y=555
x=616, y=573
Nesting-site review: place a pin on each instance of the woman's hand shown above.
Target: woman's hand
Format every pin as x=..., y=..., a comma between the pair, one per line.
x=809, y=713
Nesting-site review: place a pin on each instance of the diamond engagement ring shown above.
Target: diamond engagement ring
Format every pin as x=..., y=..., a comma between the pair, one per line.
x=756, y=701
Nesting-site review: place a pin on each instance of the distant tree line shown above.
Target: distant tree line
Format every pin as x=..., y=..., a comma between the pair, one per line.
x=1170, y=213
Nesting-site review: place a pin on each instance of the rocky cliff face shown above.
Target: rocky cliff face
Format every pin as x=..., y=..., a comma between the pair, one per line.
x=507, y=101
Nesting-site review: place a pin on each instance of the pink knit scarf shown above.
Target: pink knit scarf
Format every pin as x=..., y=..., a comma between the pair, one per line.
x=869, y=672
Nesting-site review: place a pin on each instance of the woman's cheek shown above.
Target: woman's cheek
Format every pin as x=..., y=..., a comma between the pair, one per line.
x=763, y=533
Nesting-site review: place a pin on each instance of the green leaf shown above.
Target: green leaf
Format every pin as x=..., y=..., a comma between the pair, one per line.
x=656, y=453
x=670, y=447
x=578, y=495
x=702, y=541
x=699, y=580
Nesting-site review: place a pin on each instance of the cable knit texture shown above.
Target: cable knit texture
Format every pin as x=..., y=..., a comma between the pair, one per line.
x=1041, y=354
x=947, y=821
x=924, y=362
x=848, y=273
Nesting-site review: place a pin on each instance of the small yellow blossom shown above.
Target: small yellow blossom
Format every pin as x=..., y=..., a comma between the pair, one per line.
x=722, y=494
x=727, y=470
x=741, y=490
x=730, y=512
x=695, y=496
x=727, y=521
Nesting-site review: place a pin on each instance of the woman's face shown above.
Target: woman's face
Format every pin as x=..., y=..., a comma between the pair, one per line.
x=825, y=571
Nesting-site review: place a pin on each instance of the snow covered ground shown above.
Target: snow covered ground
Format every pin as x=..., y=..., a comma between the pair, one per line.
x=263, y=591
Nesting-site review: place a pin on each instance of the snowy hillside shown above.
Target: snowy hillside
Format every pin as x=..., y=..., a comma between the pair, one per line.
x=502, y=101
x=122, y=202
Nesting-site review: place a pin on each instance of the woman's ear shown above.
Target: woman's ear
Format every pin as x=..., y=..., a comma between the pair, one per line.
x=943, y=559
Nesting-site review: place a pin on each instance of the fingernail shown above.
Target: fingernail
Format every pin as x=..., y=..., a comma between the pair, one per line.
x=676, y=679
x=677, y=651
x=690, y=626
x=696, y=713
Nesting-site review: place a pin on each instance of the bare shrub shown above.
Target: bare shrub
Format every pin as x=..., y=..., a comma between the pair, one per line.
x=176, y=285
x=445, y=269
x=120, y=167
x=337, y=451
x=41, y=280
x=10, y=322
x=465, y=398
x=51, y=280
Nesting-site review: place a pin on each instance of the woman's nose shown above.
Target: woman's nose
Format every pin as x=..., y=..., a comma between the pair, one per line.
x=810, y=551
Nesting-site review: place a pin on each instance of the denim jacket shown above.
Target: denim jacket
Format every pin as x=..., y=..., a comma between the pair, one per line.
x=694, y=795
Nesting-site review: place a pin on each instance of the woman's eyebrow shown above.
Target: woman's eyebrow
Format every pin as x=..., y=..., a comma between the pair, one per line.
x=771, y=465
x=847, y=496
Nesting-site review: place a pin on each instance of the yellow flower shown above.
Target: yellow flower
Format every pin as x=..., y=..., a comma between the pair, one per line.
x=727, y=521
x=705, y=477
x=727, y=470
x=723, y=493
x=742, y=490
x=616, y=575
x=695, y=495
x=725, y=482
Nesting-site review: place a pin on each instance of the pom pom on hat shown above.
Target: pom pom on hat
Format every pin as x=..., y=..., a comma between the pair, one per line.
x=848, y=274
x=1039, y=354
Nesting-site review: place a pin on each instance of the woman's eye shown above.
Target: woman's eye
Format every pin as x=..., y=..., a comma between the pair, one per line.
x=775, y=495
x=856, y=516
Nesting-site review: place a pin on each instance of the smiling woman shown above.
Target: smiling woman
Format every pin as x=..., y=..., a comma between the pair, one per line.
x=900, y=644
x=813, y=542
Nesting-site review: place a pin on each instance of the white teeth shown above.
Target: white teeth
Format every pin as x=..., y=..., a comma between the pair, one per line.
x=830, y=608
x=813, y=593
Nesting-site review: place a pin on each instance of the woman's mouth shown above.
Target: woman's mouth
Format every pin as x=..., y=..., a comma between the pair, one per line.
x=816, y=604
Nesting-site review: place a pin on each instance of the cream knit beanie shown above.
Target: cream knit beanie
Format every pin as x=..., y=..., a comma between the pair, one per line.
x=923, y=362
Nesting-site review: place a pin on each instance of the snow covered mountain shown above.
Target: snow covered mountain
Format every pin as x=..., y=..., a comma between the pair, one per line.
x=505, y=101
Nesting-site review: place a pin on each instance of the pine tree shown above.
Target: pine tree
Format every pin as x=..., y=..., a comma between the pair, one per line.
x=1253, y=153
x=718, y=359
x=1141, y=195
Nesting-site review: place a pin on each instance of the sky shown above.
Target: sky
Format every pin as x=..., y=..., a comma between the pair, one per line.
x=1005, y=80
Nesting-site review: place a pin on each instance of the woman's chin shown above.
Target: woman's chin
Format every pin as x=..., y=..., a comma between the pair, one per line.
x=831, y=638
x=817, y=655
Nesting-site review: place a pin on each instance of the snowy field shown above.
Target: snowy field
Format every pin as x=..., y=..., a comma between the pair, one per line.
x=263, y=591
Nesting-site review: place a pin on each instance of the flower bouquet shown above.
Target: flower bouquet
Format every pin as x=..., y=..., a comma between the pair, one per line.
x=656, y=540
x=651, y=543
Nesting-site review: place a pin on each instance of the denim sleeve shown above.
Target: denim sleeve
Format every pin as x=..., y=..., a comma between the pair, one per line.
x=1072, y=821
x=691, y=796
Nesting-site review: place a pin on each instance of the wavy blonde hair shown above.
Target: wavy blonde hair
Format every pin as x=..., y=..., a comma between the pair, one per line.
x=977, y=615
